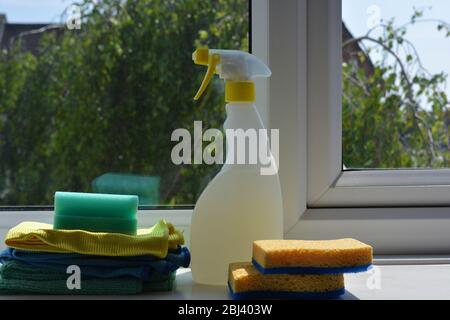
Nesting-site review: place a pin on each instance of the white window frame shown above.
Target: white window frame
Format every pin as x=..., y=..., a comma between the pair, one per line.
x=331, y=186
x=301, y=42
x=401, y=212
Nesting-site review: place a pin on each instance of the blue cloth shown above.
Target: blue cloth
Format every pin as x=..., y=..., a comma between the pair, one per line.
x=310, y=270
x=102, y=267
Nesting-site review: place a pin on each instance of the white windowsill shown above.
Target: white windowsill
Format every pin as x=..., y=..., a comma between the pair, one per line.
x=394, y=178
x=402, y=277
x=397, y=282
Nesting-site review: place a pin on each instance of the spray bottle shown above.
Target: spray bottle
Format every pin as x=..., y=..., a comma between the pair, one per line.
x=243, y=202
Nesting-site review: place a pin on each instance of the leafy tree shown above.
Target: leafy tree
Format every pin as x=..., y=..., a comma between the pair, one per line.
x=106, y=98
x=397, y=115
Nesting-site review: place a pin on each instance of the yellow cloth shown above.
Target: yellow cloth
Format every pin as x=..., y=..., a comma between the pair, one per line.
x=35, y=236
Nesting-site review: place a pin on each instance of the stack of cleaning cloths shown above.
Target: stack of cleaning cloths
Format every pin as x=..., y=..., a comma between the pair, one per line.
x=296, y=269
x=41, y=259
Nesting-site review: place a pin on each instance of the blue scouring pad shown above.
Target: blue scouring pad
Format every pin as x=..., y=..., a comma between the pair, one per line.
x=246, y=282
x=250, y=295
x=310, y=270
x=311, y=256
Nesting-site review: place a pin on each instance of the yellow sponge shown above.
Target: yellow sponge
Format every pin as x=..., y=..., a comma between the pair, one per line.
x=317, y=257
x=246, y=282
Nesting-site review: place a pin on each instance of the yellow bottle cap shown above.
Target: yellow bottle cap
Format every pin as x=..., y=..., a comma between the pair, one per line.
x=237, y=91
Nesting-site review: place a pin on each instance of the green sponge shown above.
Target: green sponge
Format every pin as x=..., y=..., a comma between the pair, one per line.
x=96, y=212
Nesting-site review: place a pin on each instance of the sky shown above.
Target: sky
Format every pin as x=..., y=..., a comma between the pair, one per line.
x=433, y=49
x=34, y=10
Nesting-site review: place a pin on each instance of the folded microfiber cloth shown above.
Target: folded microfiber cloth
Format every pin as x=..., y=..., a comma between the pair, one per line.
x=20, y=278
x=115, y=286
x=23, y=271
x=35, y=236
x=102, y=267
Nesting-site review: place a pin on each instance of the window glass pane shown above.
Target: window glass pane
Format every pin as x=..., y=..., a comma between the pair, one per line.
x=396, y=109
x=91, y=93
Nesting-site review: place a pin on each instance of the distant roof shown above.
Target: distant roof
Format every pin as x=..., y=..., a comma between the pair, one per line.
x=31, y=33
x=351, y=51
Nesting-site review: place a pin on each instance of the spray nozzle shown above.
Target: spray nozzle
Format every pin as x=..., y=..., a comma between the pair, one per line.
x=237, y=68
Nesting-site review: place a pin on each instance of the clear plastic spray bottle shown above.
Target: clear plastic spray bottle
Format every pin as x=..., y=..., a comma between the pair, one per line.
x=243, y=202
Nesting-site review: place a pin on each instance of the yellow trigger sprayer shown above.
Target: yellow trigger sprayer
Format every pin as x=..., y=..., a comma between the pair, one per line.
x=237, y=68
x=243, y=202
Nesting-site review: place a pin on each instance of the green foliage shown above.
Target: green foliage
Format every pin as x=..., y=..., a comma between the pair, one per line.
x=106, y=98
x=398, y=114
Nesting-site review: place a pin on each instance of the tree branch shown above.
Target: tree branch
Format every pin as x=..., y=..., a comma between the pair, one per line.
x=409, y=90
